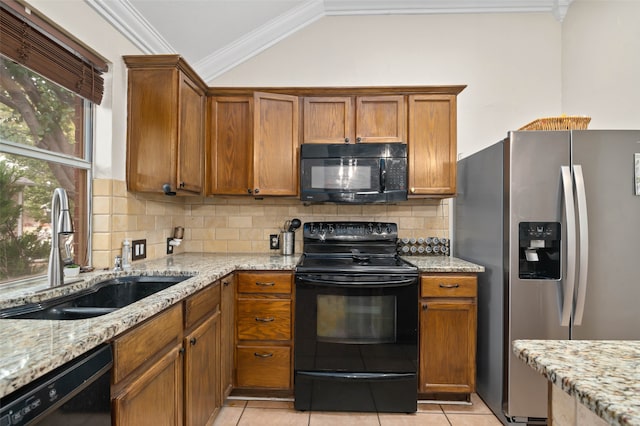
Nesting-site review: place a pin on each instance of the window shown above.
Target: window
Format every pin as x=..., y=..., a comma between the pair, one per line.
x=45, y=140
x=49, y=84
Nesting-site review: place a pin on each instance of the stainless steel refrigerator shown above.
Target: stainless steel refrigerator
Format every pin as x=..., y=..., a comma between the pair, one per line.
x=554, y=217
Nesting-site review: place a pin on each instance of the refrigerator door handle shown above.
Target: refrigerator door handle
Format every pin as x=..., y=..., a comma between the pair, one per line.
x=569, y=285
x=584, y=243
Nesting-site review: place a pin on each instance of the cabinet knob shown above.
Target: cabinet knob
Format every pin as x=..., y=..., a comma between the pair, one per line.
x=166, y=188
x=181, y=184
x=346, y=140
x=181, y=351
x=249, y=191
x=226, y=283
x=256, y=191
x=193, y=341
x=413, y=190
x=358, y=139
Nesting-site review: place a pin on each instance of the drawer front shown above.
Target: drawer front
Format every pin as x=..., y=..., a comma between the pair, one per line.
x=267, y=283
x=264, y=319
x=264, y=367
x=146, y=340
x=449, y=286
x=200, y=304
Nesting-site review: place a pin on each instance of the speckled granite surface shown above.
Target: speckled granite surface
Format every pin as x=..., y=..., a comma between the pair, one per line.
x=602, y=375
x=443, y=264
x=31, y=348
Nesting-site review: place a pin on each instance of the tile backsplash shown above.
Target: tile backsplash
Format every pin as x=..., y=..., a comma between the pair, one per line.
x=232, y=224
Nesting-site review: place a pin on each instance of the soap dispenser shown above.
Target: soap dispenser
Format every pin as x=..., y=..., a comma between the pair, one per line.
x=126, y=254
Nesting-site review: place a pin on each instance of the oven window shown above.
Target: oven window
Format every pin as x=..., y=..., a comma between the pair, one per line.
x=356, y=319
x=344, y=176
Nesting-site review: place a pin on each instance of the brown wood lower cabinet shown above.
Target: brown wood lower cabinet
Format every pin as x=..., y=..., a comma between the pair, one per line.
x=227, y=331
x=202, y=393
x=155, y=396
x=264, y=327
x=448, y=321
x=264, y=366
x=202, y=368
x=168, y=370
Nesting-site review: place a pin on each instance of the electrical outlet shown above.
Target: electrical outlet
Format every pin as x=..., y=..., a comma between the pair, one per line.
x=139, y=249
x=274, y=242
x=169, y=246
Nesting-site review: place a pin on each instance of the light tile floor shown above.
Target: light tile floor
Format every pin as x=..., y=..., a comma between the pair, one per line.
x=281, y=413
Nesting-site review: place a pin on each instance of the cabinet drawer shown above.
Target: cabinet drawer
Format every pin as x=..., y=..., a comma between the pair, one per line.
x=264, y=319
x=269, y=283
x=200, y=304
x=448, y=286
x=264, y=366
x=143, y=342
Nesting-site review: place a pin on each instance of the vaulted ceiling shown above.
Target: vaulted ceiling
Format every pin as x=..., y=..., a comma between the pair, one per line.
x=216, y=35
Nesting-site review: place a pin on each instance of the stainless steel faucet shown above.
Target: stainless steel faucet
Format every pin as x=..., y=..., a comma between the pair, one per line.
x=61, y=223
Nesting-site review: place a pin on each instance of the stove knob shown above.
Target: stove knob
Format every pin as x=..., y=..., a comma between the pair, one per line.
x=388, y=229
x=331, y=229
x=312, y=229
x=379, y=228
x=369, y=228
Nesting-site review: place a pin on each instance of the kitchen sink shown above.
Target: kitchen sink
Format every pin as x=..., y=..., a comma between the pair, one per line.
x=102, y=298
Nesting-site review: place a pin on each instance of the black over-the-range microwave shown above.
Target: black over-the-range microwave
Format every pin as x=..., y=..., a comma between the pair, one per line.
x=353, y=173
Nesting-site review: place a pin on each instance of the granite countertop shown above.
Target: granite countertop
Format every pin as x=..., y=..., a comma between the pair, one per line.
x=31, y=348
x=604, y=375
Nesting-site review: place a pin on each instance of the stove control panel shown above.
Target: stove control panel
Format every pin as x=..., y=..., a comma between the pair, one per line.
x=350, y=231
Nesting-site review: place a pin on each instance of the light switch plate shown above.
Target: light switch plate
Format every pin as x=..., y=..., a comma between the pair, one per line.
x=138, y=249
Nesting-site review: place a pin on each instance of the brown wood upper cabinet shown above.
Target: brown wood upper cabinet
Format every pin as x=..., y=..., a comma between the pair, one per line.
x=432, y=148
x=354, y=119
x=252, y=145
x=165, y=125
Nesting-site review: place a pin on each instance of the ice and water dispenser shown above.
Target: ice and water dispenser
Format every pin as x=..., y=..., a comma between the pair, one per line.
x=539, y=250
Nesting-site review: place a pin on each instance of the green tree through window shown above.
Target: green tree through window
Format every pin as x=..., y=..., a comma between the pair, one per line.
x=43, y=145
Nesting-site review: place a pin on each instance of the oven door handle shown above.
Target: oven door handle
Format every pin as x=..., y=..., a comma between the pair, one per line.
x=359, y=284
x=346, y=376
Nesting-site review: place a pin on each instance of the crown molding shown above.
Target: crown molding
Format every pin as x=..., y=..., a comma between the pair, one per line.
x=129, y=22
x=259, y=40
x=126, y=19
x=422, y=7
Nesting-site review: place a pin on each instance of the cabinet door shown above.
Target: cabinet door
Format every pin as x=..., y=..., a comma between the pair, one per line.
x=275, y=144
x=230, y=146
x=328, y=119
x=202, y=372
x=152, y=129
x=227, y=326
x=447, y=346
x=155, y=397
x=190, y=137
x=432, y=145
x=381, y=119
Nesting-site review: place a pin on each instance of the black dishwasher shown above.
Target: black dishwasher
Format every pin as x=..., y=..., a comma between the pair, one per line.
x=77, y=392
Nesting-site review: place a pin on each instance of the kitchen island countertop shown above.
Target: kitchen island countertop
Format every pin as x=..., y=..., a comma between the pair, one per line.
x=32, y=348
x=603, y=375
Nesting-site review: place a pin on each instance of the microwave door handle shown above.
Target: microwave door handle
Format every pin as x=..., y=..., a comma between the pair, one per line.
x=383, y=175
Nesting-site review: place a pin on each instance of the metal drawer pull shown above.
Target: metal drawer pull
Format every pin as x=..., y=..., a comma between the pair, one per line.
x=263, y=284
x=442, y=285
x=267, y=355
x=267, y=319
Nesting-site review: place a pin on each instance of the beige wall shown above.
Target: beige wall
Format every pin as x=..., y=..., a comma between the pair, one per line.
x=232, y=224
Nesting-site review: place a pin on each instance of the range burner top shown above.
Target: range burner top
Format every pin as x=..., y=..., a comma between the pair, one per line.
x=352, y=247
